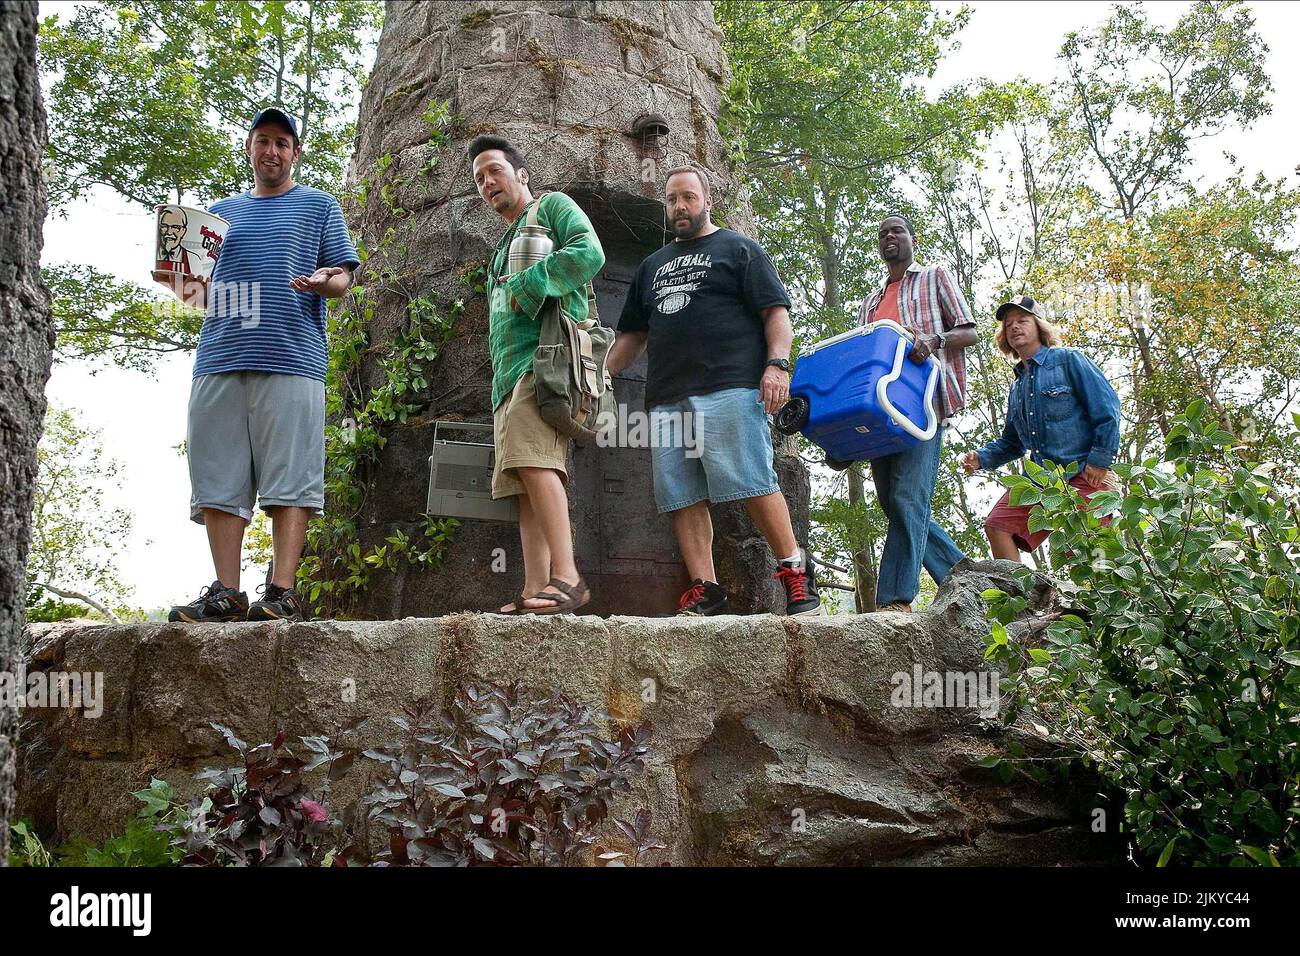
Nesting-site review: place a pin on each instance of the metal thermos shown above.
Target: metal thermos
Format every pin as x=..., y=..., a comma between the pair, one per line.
x=532, y=244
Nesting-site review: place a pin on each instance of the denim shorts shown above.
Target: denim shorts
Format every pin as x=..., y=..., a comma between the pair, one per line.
x=714, y=447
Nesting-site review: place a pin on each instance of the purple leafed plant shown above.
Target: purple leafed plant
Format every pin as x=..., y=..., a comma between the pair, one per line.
x=504, y=777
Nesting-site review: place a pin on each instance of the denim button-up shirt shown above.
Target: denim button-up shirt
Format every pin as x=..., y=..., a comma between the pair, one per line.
x=1061, y=410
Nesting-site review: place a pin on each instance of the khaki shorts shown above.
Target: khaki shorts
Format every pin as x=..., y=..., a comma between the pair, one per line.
x=523, y=440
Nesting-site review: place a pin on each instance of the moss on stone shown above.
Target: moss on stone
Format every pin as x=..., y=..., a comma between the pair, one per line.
x=405, y=90
x=629, y=34
x=476, y=19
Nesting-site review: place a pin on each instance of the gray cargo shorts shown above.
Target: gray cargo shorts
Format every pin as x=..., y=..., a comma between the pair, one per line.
x=255, y=436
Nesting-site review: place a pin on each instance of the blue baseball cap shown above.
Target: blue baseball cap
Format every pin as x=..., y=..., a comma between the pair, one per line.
x=271, y=114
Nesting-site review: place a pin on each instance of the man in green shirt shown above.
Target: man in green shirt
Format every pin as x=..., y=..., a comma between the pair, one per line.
x=530, y=454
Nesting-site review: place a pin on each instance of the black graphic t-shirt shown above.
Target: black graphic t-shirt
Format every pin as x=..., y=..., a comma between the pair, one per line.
x=701, y=302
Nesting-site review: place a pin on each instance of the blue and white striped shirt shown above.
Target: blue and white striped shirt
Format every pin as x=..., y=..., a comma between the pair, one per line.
x=254, y=320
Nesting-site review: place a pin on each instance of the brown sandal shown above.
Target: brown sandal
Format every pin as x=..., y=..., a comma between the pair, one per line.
x=570, y=598
x=516, y=606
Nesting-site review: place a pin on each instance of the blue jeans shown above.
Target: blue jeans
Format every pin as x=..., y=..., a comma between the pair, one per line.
x=905, y=486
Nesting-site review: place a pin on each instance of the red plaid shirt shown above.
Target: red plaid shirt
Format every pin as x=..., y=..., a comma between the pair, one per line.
x=929, y=301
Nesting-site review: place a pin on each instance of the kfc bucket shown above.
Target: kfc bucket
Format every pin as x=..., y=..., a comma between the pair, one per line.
x=188, y=241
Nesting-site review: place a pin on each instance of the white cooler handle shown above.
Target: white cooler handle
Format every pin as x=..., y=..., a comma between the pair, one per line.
x=882, y=397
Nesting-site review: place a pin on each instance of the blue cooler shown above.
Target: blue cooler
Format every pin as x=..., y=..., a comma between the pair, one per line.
x=857, y=396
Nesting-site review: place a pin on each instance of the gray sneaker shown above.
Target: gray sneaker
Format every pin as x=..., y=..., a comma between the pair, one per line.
x=215, y=602
x=276, y=604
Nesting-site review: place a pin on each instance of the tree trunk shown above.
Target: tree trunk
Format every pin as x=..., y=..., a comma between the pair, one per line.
x=864, y=553
x=310, y=71
x=28, y=337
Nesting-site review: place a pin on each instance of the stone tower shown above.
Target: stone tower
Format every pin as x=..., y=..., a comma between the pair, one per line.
x=602, y=98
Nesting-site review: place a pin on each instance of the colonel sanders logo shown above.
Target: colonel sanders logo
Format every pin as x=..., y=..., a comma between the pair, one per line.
x=172, y=257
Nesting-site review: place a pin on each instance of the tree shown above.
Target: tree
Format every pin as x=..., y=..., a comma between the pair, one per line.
x=1201, y=76
x=1213, y=281
x=259, y=547
x=995, y=220
x=100, y=317
x=1177, y=291
x=152, y=100
x=826, y=155
x=75, y=539
x=28, y=340
x=1139, y=97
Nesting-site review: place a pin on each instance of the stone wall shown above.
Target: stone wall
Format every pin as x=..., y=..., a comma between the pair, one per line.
x=774, y=739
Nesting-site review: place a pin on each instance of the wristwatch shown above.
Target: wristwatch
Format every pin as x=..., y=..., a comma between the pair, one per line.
x=943, y=340
x=782, y=364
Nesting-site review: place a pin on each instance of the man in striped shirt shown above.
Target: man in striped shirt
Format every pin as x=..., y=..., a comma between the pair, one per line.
x=257, y=403
x=926, y=301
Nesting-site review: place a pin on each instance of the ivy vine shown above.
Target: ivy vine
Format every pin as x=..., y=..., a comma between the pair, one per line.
x=337, y=569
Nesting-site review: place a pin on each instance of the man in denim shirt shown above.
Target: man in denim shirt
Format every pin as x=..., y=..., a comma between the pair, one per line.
x=1061, y=411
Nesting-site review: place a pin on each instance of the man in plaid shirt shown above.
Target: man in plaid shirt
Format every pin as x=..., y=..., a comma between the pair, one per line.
x=926, y=301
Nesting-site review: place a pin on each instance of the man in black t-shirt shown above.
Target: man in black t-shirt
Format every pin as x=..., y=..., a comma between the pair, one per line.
x=715, y=317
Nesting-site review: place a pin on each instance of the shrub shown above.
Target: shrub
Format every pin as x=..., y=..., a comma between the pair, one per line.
x=146, y=841
x=26, y=848
x=1180, y=676
x=261, y=813
x=506, y=778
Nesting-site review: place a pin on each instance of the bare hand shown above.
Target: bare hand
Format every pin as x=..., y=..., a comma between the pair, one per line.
x=922, y=348
x=1098, y=477
x=971, y=462
x=317, y=281
x=192, y=290
x=774, y=387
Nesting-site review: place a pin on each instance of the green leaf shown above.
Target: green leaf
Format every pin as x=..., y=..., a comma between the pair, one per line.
x=1025, y=495
x=1258, y=855
x=1166, y=853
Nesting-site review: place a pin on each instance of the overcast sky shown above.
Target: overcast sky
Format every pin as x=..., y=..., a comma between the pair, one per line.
x=143, y=418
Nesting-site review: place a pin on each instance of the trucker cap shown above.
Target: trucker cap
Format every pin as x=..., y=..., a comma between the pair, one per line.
x=1026, y=302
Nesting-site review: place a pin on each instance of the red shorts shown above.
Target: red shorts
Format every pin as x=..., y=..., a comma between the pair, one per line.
x=1014, y=519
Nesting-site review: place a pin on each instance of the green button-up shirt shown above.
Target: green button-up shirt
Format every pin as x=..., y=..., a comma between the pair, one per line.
x=513, y=333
